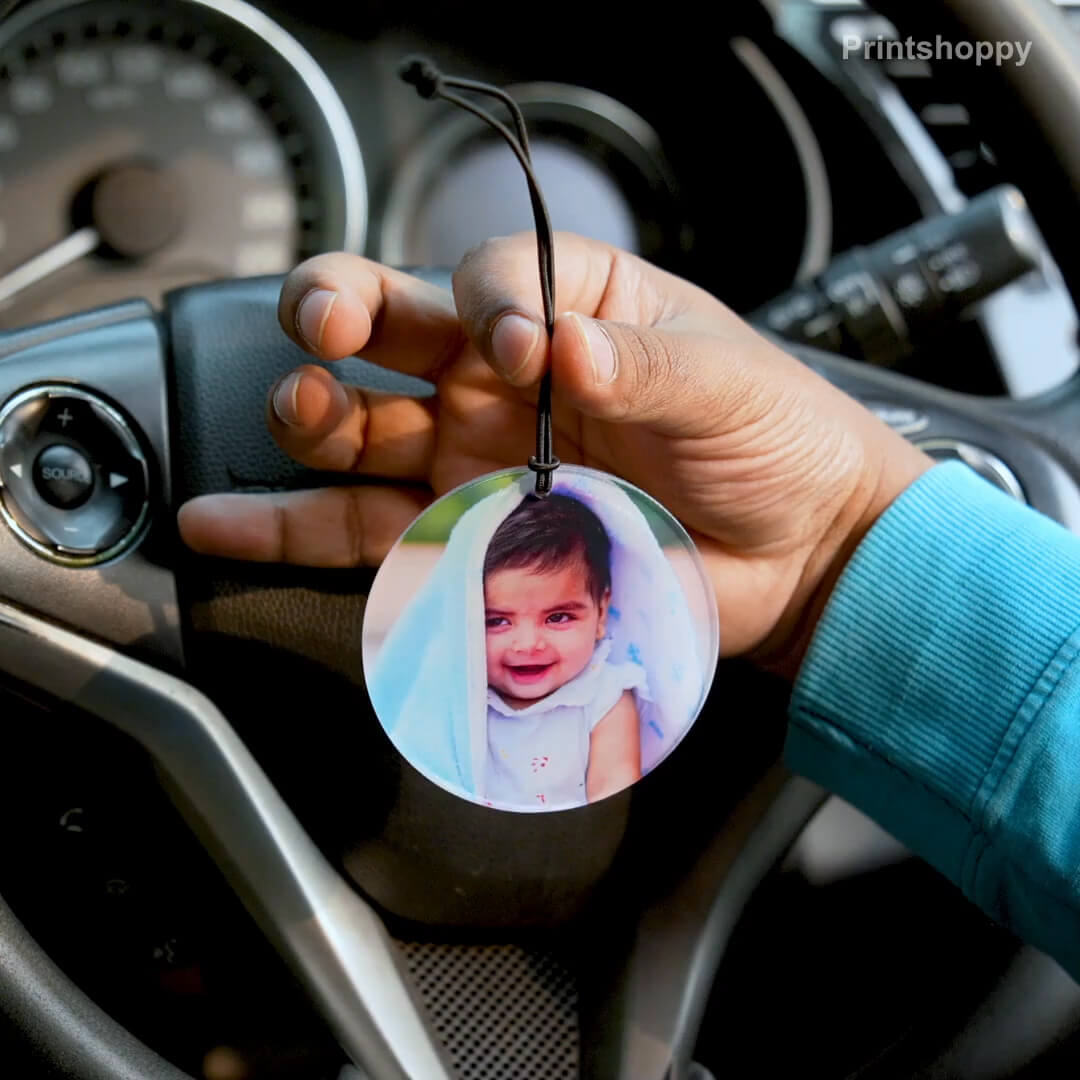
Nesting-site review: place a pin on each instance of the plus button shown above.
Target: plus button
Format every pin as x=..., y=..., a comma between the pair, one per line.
x=65, y=417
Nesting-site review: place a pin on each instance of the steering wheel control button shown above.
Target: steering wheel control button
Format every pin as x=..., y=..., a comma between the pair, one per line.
x=990, y=467
x=63, y=476
x=75, y=482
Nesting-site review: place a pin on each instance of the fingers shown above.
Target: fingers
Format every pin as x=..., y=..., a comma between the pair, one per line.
x=497, y=292
x=330, y=527
x=337, y=305
x=326, y=425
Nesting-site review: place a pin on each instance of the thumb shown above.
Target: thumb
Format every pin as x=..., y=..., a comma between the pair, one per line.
x=682, y=383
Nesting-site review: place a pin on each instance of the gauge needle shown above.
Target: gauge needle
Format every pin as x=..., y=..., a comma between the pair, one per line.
x=40, y=266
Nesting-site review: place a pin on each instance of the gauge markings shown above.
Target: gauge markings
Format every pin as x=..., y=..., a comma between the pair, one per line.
x=81, y=67
x=180, y=103
x=31, y=94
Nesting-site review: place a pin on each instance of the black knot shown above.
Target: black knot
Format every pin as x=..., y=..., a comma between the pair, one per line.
x=538, y=466
x=544, y=471
x=420, y=72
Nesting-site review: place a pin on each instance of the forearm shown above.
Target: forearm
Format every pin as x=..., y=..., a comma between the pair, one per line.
x=941, y=694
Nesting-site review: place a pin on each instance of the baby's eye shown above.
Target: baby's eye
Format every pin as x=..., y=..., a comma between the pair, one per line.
x=560, y=617
x=493, y=622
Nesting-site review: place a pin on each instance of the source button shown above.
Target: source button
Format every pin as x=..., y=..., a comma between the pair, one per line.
x=63, y=476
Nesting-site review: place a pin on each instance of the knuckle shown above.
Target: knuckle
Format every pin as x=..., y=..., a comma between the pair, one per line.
x=311, y=273
x=658, y=362
x=279, y=531
x=479, y=284
x=497, y=254
x=623, y=286
x=355, y=534
x=477, y=259
x=634, y=291
x=664, y=374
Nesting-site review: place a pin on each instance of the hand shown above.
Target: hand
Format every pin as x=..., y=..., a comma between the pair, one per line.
x=775, y=473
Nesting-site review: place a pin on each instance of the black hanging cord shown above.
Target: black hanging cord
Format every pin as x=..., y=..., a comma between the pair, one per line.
x=431, y=83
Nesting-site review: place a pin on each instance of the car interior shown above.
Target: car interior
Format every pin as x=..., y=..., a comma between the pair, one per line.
x=217, y=866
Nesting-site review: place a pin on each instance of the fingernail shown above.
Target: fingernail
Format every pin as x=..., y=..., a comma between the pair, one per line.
x=311, y=315
x=601, y=350
x=284, y=399
x=513, y=342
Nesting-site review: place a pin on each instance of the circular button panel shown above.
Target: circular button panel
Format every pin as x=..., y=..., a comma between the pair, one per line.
x=75, y=481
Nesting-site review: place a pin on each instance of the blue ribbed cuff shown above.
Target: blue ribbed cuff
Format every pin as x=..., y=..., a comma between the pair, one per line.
x=910, y=700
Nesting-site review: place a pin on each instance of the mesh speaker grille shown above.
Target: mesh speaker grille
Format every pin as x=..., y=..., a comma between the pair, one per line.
x=502, y=1011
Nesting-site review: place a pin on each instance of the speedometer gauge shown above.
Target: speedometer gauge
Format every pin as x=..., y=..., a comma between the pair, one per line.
x=148, y=146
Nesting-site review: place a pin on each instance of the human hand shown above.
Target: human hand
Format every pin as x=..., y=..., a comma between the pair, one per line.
x=776, y=474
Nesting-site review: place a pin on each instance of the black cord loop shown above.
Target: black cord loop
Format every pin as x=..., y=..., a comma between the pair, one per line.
x=431, y=83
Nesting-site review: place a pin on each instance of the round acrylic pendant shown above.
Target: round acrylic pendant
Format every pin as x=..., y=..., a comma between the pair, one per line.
x=540, y=654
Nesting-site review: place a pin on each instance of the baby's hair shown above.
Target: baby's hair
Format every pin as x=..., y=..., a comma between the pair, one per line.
x=546, y=534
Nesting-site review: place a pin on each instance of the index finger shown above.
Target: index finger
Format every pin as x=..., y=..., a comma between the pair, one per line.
x=338, y=305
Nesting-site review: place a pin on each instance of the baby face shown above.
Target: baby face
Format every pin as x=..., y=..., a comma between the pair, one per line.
x=542, y=630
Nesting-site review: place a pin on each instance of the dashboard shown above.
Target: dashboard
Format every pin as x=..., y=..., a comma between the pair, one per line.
x=148, y=146
x=145, y=146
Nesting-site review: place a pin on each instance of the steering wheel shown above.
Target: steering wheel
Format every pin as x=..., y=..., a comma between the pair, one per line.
x=152, y=643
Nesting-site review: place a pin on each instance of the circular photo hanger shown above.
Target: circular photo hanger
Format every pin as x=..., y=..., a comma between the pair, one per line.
x=537, y=654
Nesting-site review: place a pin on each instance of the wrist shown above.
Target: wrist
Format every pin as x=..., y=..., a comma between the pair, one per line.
x=888, y=472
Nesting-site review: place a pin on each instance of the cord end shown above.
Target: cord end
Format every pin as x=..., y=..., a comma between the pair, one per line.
x=420, y=72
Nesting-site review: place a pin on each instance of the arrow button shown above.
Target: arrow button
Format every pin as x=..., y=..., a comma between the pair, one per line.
x=17, y=470
x=116, y=480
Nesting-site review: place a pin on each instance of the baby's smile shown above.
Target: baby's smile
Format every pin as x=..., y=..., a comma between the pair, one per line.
x=528, y=673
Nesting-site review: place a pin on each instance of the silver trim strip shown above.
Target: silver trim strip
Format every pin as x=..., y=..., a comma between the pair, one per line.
x=787, y=815
x=921, y=147
x=323, y=94
x=326, y=98
x=333, y=940
x=680, y=938
x=987, y=465
x=817, y=247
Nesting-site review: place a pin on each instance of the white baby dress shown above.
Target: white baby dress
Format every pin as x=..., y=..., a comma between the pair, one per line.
x=538, y=756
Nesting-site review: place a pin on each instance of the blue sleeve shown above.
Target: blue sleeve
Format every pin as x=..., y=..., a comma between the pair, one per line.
x=941, y=695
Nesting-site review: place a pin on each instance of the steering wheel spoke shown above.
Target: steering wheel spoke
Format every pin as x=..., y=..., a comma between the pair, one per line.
x=333, y=940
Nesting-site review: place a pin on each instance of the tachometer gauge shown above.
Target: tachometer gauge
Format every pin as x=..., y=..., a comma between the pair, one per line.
x=601, y=165
x=147, y=146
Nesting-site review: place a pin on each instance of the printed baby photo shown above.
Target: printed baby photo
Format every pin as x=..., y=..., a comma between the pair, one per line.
x=540, y=654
